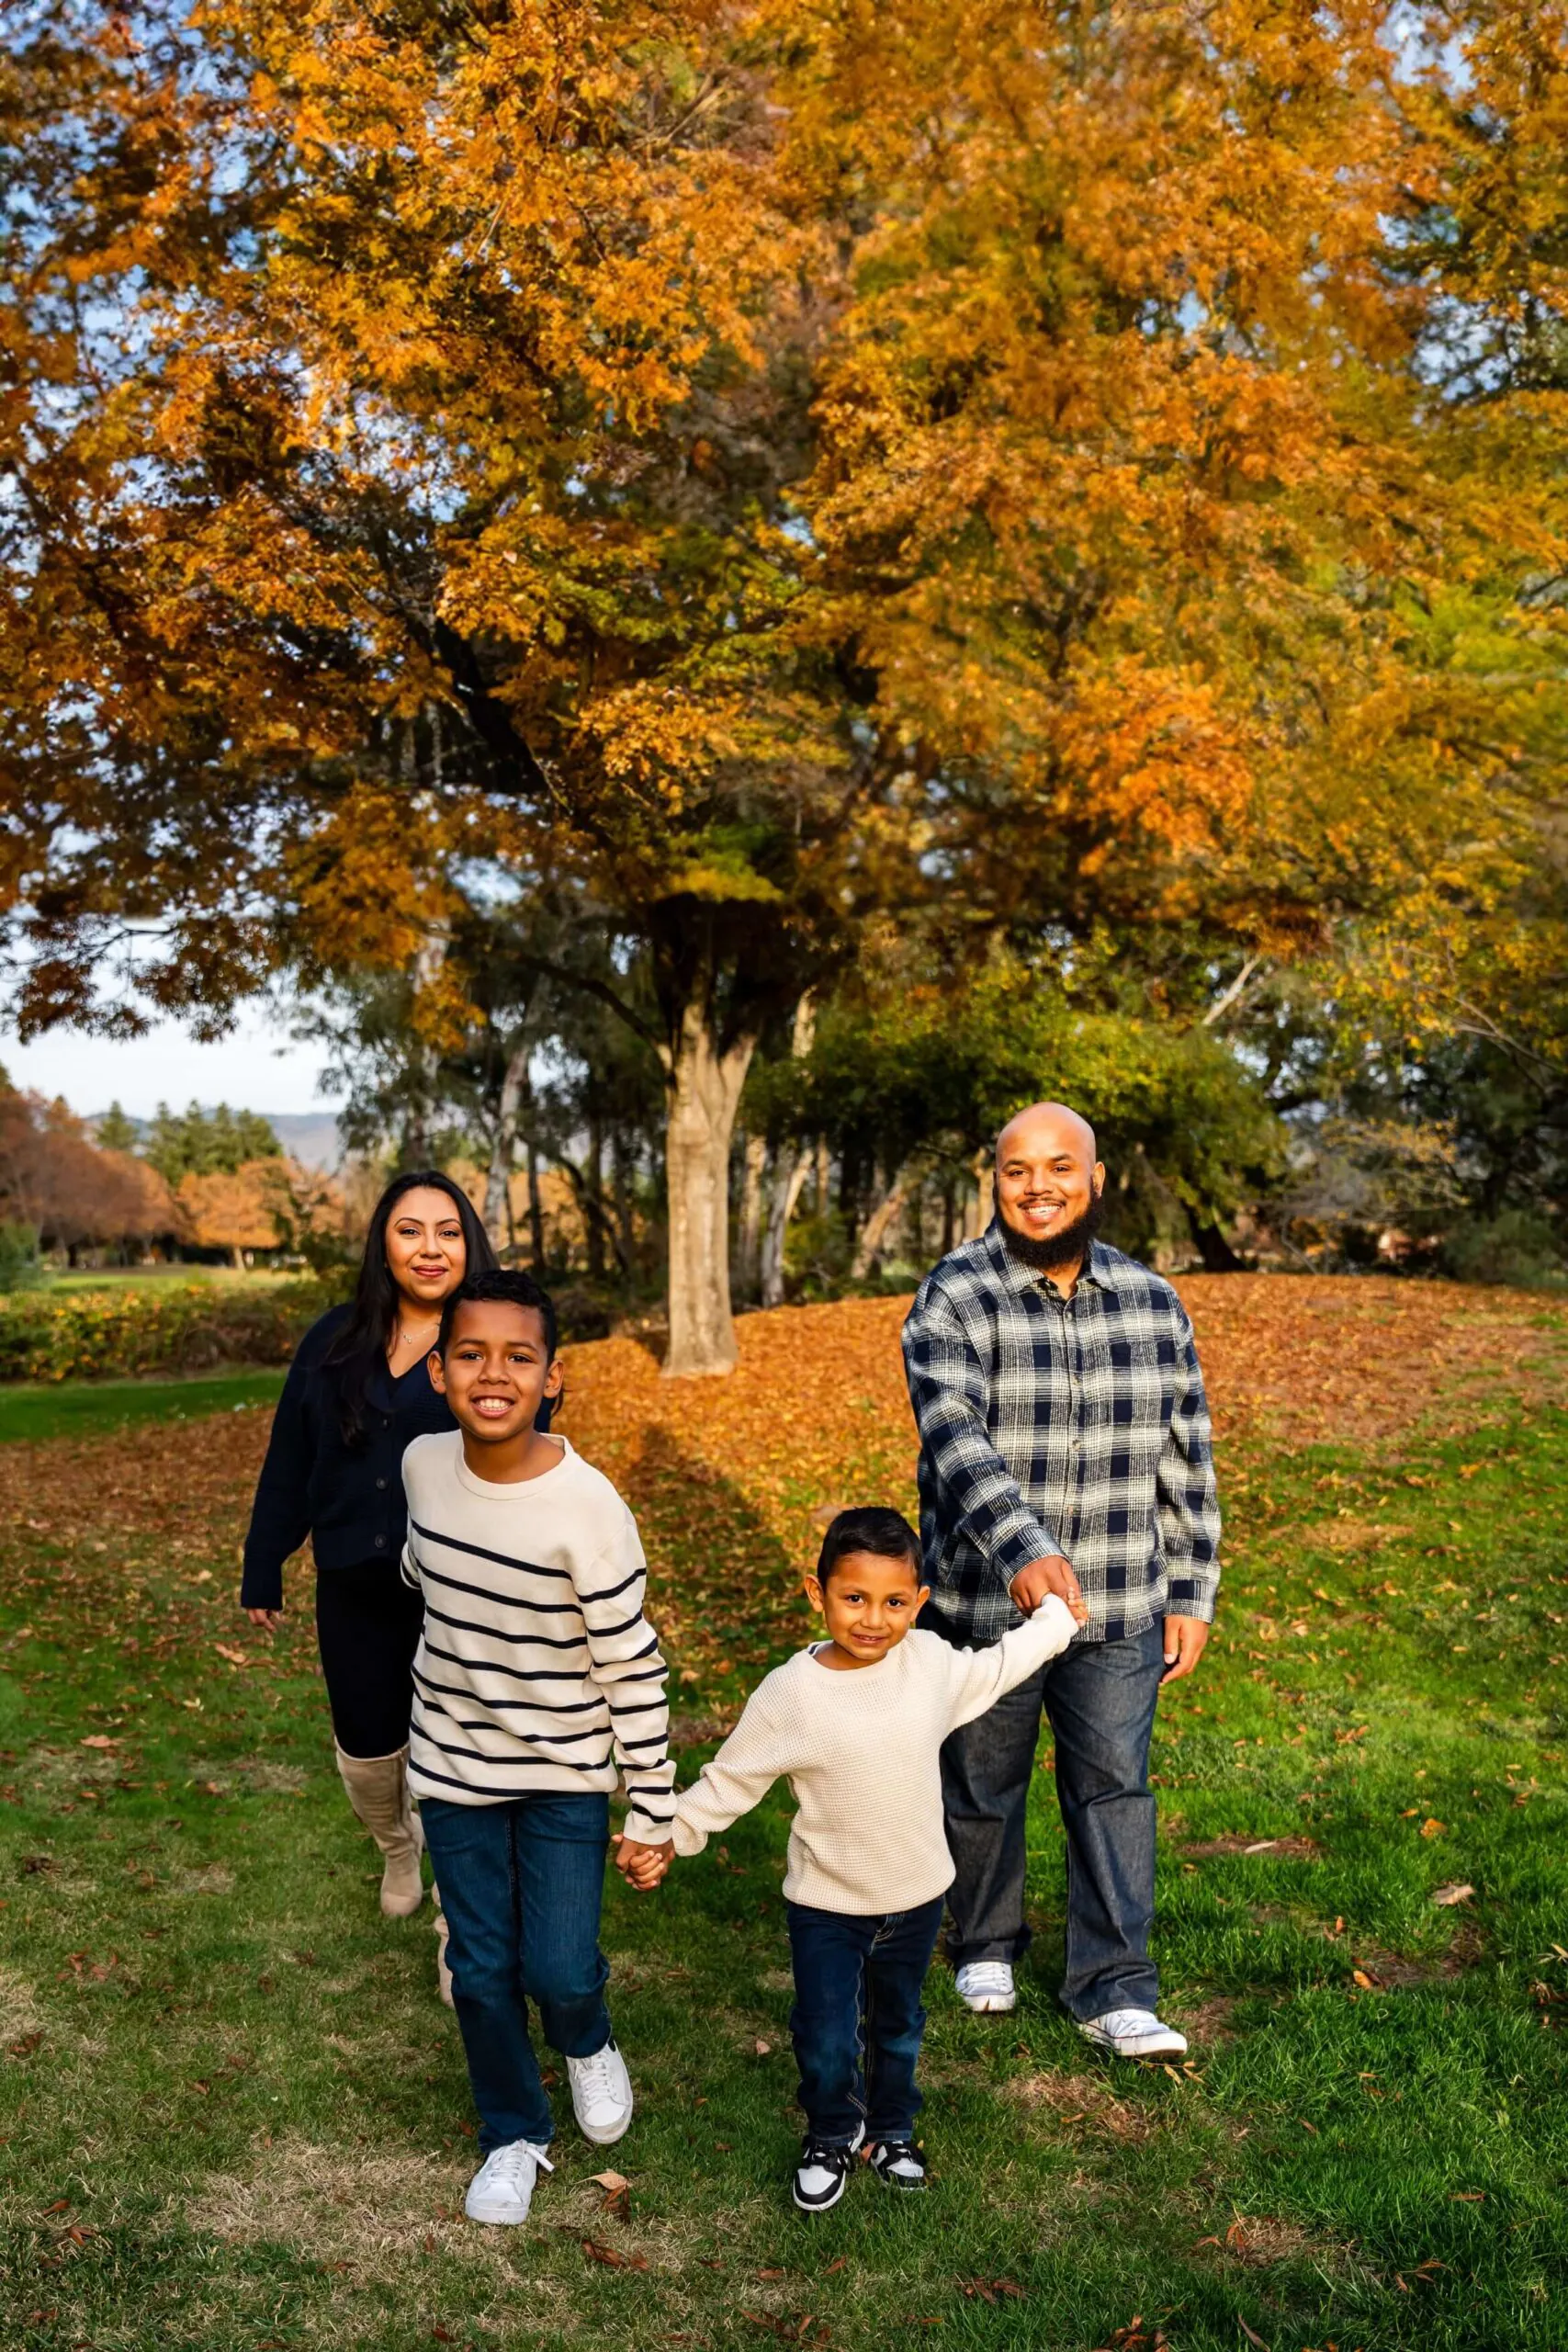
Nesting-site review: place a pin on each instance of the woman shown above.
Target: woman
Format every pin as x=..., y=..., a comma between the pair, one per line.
x=357, y=1394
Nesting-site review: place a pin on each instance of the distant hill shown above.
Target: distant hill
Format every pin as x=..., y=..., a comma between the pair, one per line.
x=309, y=1136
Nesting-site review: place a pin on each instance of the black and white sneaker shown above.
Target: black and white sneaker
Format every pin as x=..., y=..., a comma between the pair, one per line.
x=897, y=2162
x=825, y=2166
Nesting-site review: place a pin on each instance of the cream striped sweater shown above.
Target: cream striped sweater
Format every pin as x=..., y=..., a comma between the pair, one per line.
x=537, y=1669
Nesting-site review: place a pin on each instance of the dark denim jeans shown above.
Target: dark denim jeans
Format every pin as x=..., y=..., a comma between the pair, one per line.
x=857, y=2020
x=521, y=1884
x=1099, y=1699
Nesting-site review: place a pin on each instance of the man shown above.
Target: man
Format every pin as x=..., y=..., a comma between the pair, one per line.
x=1064, y=1448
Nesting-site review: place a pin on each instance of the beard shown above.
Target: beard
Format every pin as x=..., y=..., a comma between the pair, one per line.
x=1070, y=1247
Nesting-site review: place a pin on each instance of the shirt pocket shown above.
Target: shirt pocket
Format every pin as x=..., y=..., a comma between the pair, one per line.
x=1142, y=1379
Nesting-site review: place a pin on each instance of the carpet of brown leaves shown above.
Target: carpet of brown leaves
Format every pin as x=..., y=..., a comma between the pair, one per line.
x=746, y=1470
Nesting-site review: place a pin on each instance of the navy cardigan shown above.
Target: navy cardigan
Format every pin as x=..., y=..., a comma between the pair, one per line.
x=348, y=1499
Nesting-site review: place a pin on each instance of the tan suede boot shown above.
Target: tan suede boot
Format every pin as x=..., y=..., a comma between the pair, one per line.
x=443, y=1973
x=377, y=1789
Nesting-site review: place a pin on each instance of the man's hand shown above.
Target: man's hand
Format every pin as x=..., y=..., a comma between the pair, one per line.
x=265, y=1618
x=1186, y=1639
x=1041, y=1578
x=642, y=1866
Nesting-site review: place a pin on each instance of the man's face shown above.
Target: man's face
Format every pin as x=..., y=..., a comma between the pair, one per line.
x=1047, y=1176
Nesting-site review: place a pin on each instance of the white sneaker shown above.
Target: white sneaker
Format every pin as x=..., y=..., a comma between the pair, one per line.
x=987, y=1987
x=503, y=2188
x=1133, y=2033
x=600, y=2095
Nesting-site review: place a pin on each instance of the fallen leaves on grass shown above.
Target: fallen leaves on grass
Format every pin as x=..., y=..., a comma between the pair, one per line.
x=803, y=2328
x=990, y=2291
x=612, y=2258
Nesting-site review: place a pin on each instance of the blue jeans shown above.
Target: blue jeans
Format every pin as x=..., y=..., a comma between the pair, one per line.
x=1099, y=1699
x=521, y=1884
x=857, y=2020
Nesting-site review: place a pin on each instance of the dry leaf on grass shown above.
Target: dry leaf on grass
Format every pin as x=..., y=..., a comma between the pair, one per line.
x=612, y=2258
x=1445, y=1897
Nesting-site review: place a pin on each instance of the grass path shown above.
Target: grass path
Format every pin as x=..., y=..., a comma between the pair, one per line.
x=235, y=2116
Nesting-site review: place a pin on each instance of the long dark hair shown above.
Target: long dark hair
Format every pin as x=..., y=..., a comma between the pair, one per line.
x=359, y=1348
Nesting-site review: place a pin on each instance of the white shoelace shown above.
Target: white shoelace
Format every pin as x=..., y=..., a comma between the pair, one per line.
x=1120, y=2024
x=509, y=2163
x=594, y=2078
x=988, y=1976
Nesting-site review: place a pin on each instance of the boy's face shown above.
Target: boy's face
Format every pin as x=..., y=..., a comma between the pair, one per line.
x=497, y=1369
x=869, y=1603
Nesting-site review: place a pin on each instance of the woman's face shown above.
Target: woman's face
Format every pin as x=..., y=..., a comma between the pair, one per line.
x=425, y=1255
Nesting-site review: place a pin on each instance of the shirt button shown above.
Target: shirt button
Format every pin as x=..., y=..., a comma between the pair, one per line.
x=380, y=1482
x=381, y=1543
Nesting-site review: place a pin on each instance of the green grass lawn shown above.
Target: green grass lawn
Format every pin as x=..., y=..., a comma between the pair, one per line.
x=37, y=1410
x=236, y=2117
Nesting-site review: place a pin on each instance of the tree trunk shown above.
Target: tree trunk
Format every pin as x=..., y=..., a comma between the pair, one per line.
x=594, y=1200
x=498, y=1178
x=748, y=1244
x=536, y=1214
x=790, y=1171
x=705, y=1082
x=822, y=1197
x=977, y=1207
x=885, y=1213
x=789, y=1174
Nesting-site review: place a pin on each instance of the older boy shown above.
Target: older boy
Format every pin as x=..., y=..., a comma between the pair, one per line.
x=536, y=1675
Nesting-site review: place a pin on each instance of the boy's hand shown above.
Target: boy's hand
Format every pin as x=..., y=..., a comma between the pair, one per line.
x=642, y=1866
x=1041, y=1579
x=265, y=1617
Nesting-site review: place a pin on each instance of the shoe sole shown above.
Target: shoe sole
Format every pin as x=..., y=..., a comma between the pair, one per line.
x=1137, y=2050
x=508, y=2220
x=605, y=2136
x=990, y=2005
x=826, y=2205
x=903, y=2187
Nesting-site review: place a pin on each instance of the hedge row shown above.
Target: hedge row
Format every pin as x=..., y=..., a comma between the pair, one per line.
x=188, y=1326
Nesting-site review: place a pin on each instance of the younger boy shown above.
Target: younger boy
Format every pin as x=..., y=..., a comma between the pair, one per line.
x=537, y=1674
x=856, y=1724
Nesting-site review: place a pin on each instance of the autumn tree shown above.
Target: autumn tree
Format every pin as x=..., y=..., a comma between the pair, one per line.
x=747, y=466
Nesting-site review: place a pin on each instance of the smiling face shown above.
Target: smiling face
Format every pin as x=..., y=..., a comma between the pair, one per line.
x=1047, y=1176
x=497, y=1370
x=869, y=1603
x=426, y=1256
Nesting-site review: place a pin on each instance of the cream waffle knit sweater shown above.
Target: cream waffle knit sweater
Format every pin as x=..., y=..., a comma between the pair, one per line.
x=860, y=1750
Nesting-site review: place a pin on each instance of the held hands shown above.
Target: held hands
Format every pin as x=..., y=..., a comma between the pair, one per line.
x=267, y=1618
x=642, y=1866
x=1041, y=1579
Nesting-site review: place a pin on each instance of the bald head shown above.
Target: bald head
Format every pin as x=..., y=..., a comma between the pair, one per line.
x=1048, y=1188
x=1043, y=1130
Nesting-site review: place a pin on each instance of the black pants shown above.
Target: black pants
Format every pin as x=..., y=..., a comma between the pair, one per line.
x=367, y=1623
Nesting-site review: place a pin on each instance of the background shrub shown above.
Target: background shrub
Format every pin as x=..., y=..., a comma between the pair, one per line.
x=185, y=1327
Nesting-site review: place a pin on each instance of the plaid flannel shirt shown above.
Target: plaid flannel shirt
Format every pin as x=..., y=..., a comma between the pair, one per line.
x=1052, y=1425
